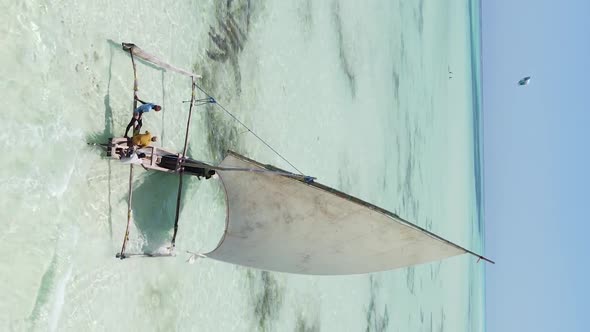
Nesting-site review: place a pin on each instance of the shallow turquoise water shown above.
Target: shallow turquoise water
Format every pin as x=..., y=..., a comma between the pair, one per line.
x=356, y=95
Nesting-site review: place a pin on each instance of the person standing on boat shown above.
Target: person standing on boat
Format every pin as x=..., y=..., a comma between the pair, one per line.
x=143, y=140
x=136, y=121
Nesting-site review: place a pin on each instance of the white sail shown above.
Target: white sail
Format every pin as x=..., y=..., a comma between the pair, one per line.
x=281, y=223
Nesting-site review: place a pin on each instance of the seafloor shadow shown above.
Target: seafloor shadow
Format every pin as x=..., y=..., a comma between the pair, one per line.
x=102, y=137
x=108, y=132
x=154, y=208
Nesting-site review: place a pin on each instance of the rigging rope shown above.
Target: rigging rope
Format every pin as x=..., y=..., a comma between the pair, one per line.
x=213, y=101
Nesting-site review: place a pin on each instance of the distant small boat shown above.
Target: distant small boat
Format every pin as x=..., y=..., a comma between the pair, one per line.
x=524, y=81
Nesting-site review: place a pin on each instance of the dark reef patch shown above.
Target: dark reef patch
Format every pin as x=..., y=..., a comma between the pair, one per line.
x=229, y=35
x=267, y=298
x=377, y=322
x=344, y=62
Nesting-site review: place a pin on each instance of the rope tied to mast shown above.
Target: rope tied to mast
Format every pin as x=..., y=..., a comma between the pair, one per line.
x=213, y=101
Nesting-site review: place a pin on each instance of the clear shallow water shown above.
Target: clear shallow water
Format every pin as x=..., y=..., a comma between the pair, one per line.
x=356, y=95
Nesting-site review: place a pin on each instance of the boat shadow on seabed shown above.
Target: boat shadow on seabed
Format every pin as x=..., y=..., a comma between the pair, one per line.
x=154, y=208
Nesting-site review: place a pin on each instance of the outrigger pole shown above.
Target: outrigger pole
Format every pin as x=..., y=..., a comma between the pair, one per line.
x=121, y=255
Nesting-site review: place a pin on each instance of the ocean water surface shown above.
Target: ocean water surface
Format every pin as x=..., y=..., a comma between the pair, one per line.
x=379, y=99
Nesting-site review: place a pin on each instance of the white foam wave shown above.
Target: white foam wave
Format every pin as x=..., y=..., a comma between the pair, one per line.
x=58, y=301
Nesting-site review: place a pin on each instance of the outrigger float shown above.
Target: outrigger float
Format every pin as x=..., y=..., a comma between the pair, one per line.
x=281, y=221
